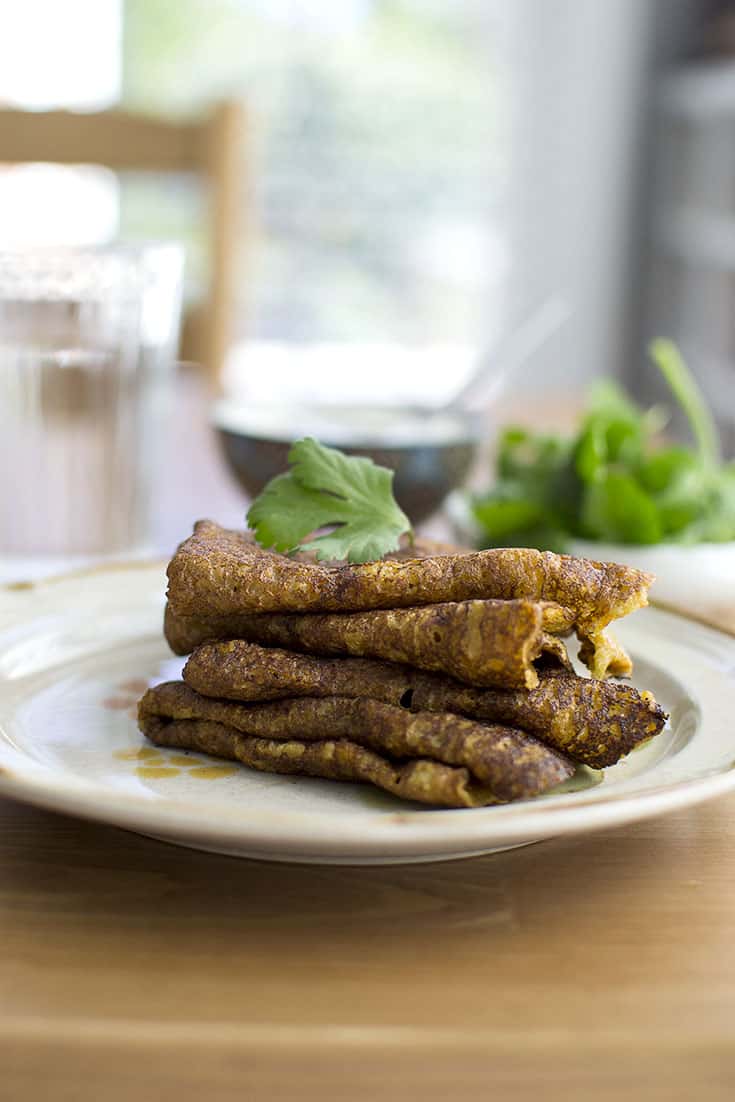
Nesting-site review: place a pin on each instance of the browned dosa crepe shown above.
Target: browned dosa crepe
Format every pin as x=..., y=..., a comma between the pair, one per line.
x=435, y=758
x=595, y=722
x=478, y=642
x=217, y=572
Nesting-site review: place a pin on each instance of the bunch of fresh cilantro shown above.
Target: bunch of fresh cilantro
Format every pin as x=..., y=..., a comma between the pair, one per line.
x=613, y=481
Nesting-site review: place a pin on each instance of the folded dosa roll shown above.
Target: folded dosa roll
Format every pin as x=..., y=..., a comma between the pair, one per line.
x=595, y=722
x=478, y=642
x=326, y=736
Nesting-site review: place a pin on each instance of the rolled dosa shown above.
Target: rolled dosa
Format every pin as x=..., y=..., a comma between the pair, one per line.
x=478, y=642
x=594, y=722
x=488, y=763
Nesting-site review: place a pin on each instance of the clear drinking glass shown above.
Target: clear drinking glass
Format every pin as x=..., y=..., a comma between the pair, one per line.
x=87, y=342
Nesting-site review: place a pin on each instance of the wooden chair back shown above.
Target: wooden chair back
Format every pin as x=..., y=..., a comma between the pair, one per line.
x=212, y=147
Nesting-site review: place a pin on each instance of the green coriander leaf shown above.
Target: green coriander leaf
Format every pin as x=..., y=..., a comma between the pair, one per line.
x=284, y=512
x=541, y=536
x=616, y=508
x=609, y=402
x=544, y=537
x=531, y=465
x=679, y=518
x=590, y=453
x=669, y=361
x=717, y=522
x=327, y=489
x=524, y=455
x=513, y=435
x=501, y=514
x=612, y=432
x=624, y=441
x=660, y=470
x=686, y=500
x=516, y=450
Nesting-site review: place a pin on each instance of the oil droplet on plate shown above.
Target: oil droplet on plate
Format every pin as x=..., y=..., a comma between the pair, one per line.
x=141, y=753
x=183, y=760
x=135, y=685
x=211, y=772
x=116, y=703
x=154, y=771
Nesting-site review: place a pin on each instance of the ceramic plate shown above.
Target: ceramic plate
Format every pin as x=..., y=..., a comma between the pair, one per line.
x=76, y=653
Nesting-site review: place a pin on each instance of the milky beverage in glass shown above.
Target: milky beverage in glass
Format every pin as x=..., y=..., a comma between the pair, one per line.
x=87, y=338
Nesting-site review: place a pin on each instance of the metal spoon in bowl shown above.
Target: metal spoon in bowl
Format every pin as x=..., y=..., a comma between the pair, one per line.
x=504, y=360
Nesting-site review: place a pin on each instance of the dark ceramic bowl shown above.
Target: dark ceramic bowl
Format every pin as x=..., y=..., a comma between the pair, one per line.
x=431, y=455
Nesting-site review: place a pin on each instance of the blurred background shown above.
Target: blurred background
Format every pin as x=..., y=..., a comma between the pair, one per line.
x=381, y=190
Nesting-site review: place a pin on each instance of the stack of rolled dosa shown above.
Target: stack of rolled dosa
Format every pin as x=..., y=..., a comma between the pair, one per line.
x=439, y=677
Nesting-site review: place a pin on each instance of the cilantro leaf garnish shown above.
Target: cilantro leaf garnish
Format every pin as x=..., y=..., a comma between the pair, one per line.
x=350, y=495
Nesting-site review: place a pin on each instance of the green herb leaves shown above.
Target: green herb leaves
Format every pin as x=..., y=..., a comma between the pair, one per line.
x=611, y=481
x=668, y=359
x=350, y=495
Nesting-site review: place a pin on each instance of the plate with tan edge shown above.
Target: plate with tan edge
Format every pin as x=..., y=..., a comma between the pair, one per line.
x=76, y=652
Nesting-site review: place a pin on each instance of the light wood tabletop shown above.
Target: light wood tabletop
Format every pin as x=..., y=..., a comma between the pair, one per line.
x=589, y=968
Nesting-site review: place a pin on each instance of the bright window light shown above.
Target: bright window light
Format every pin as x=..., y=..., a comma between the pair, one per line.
x=55, y=55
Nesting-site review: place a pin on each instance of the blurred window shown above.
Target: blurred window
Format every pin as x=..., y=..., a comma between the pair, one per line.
x=56, y=55
x=379, y=152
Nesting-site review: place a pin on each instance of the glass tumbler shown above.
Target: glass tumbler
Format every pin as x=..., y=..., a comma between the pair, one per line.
x=87, y=345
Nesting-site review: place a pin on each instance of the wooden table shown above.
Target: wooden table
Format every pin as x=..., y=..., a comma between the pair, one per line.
x=592, y=969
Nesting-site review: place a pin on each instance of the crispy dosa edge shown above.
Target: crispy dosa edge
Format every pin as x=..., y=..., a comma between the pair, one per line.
x=604, y=656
